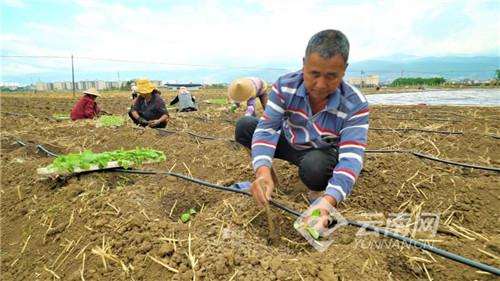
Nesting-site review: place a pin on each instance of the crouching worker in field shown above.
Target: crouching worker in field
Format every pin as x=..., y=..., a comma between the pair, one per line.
x=86, y=107
x=248, y=89
x=314, y=120
x=149, y=108
x=187, y=102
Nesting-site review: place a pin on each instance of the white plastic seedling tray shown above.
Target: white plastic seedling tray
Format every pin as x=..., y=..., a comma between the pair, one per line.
x=110, y=165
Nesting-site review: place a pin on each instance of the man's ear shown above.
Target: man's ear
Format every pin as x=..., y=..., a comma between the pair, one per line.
x=346, y=65
x=303, y=62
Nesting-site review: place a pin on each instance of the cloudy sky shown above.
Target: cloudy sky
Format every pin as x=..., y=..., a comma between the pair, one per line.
x=230, y=33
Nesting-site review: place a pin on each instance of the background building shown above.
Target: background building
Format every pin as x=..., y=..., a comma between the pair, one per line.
x=368, y=81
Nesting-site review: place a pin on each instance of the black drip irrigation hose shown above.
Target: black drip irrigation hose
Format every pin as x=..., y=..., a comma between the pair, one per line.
x=417, y=130
x=416, y=119
x=411, y=130
x=421, y=155
x=20, y=143
x=429, y=131
x=418, y=154
x=493, y=136
x=387, y=233
x=46, y=151
x=30, y=115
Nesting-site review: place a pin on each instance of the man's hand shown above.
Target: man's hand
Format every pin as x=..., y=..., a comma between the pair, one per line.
x=264, y=177
x=320, y=221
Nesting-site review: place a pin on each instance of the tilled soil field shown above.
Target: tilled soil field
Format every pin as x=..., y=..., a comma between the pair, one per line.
x=118, y=226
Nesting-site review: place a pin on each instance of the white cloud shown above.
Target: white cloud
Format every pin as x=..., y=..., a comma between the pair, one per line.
x=91, y=19
x=15, y=3
x=218, y=33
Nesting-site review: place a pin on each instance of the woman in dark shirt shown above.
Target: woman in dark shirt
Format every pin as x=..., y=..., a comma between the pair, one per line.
x=149, y=108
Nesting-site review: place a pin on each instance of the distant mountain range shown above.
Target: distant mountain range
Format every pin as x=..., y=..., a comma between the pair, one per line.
x=451, y=67
x=389, y=68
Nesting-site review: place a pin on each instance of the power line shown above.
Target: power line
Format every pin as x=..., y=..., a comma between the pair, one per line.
x=154, y=62
x=37, y=57
x=239, y=67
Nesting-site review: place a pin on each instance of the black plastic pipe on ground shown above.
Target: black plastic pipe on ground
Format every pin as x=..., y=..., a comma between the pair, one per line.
x=366, y=226
x=387, y=233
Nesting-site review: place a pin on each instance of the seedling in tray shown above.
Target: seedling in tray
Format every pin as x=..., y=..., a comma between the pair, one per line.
x=89, y=161
x=110, y=121
x=217, y=101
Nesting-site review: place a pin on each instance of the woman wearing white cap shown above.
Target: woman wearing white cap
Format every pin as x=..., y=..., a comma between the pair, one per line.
x=248, y=89
x=187, y=102
x=86, y=107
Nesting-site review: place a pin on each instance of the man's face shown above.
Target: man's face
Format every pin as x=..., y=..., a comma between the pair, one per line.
x=323, y=76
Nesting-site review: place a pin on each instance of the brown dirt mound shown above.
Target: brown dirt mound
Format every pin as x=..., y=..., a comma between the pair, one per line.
x=116, y=226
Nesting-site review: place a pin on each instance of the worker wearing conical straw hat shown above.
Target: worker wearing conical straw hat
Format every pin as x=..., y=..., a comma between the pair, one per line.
x=86, y=107
x=248, y=89
x=149, y=108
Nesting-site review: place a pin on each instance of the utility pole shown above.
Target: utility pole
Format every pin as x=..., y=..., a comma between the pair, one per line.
x=73, y=75
x=362, y=80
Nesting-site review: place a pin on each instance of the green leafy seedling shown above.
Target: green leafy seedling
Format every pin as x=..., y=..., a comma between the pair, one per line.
x=120, y=187
x=111, y=121
x=87, y=158
x=311, y=230
x=218, y=101
x=185, y=217
x=315, y=213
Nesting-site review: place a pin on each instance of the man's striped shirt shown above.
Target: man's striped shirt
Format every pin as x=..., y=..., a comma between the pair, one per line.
x=343, y=123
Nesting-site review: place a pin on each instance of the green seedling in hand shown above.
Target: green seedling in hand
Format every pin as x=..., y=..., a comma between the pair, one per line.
x=309, y=228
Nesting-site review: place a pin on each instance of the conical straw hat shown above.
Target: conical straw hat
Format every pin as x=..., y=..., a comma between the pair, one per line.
x=92, y=91
x=241, y=90
x=144, y=86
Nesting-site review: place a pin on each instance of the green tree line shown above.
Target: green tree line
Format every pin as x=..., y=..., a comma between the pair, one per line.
x=418, y=81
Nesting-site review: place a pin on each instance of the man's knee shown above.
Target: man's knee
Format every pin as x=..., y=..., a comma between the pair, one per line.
x=316, y=168
x=244, y=130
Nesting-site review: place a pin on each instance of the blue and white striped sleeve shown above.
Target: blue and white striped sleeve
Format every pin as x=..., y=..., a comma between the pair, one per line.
x=353, y=140
x=267, y=133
